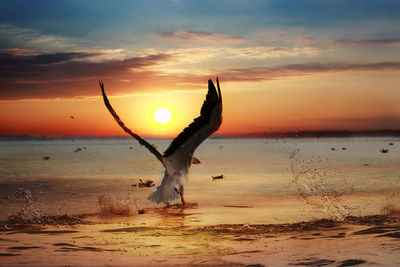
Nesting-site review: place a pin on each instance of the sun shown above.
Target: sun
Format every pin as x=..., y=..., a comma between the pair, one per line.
x=162, y=116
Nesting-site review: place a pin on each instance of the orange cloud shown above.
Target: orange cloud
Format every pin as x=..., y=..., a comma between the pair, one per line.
x=21, y=52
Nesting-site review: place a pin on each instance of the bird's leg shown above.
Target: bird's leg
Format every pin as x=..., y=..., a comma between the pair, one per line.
x=185, y=204
x=181, y=194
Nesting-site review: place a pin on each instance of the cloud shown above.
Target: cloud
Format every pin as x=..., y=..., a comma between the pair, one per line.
x=63, y=75
x=366, y=42
x=262, y=74
x=21, y=52
x=192, y=36
x=263, y=52
x=31, y=39
x=207, y=53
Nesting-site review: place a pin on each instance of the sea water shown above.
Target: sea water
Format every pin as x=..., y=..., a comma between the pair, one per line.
x=265, y=180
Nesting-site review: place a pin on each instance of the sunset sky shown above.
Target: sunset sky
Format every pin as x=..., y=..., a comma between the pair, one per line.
x=283, y=65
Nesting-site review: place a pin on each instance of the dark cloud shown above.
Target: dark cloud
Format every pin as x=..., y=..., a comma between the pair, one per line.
x=366, y=42
x=187, y=36
x=62, y=75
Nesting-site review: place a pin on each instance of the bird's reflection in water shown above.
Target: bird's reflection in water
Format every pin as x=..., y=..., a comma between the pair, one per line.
x=178, y=216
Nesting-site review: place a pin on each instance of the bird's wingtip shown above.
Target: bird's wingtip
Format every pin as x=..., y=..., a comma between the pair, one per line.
x=101, y=85
x=219, y=91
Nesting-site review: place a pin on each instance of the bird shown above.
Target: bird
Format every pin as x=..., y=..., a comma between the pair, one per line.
x=178, y=157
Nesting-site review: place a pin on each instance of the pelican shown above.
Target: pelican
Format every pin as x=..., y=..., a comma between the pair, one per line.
x=178, y=157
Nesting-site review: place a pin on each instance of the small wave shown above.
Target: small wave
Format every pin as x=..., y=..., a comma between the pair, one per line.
x=47, y=220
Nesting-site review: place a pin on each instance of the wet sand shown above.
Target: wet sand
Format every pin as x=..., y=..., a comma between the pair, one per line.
x=91, y=240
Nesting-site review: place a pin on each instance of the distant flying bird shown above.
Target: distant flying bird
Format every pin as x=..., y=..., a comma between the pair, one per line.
x=179, y=155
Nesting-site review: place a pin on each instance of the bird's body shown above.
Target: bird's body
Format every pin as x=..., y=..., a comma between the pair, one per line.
x=177, y=159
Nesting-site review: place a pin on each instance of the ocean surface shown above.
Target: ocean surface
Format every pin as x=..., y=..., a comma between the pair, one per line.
x=265, y=180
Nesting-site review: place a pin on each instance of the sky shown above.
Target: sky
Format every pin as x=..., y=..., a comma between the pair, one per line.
x=283, y=65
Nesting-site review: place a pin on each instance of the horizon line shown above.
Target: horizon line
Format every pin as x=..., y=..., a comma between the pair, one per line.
x=265, y=134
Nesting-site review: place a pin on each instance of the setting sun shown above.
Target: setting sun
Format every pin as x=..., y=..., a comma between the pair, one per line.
x=162, y=115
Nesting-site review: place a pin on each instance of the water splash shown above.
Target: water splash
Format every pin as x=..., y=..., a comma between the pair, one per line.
x=318, y=187
x=118, y=204
x=32, y=211
x=391, y=206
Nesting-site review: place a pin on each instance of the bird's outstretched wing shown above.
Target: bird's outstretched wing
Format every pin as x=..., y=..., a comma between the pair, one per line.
x=143, y=142
x=202, y=127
